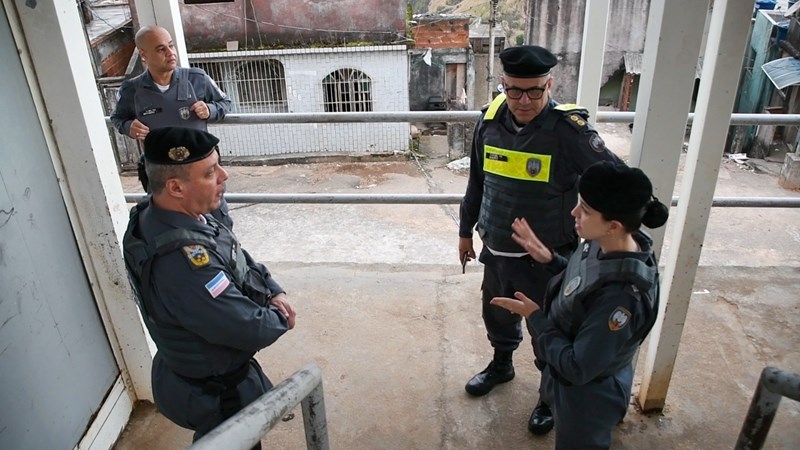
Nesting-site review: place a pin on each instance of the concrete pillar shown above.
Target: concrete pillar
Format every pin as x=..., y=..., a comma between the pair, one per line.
x=790, y=172
x=727, y=37
x=672, y=47
x=595, y=24
x=167, y=14
x=62, y=82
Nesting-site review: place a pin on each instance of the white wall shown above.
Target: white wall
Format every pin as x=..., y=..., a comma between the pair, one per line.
x=386, y=66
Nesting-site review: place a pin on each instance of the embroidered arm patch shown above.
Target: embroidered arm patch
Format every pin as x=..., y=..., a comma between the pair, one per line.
x=618, y=319
x=197, y=255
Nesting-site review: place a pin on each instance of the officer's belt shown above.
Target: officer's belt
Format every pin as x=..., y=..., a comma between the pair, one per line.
x=225, y=386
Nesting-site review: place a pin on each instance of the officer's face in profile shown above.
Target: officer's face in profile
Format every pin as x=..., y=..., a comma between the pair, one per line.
x=527, y=97
x=158, y=51
x=205, y=185
x=589, y=222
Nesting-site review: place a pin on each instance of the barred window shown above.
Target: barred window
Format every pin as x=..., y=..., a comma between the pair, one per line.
x=261, y=87
x=254, y=86
x=347, y=90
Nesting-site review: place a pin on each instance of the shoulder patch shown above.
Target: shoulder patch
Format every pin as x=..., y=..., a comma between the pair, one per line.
x=618, y=319
x=197, y=255
x=597, y=143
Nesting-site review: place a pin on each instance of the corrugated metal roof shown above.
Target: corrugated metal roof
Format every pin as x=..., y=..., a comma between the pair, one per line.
x=783, y=72
x=633, y=63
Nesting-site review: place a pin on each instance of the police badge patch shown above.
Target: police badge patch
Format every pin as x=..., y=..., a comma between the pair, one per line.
x=618, y=319
x=197, y=255
x=533, y=166
x=572, y=285
x=184, y=112
x=597, y=144
x=178, y=153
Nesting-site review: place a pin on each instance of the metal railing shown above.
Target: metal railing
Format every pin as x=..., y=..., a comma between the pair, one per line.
x=772, y=386
x=465, y=116
x=246, y=428
x=450, y=199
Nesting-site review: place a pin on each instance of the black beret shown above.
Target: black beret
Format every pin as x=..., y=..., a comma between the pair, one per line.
x=615, y=188
x=177, y=145
x=527, y=61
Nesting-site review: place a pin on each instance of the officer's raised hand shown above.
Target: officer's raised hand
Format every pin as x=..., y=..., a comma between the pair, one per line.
x=200, y=108
x=521, y=305
x=524, y=236
x=138, y=130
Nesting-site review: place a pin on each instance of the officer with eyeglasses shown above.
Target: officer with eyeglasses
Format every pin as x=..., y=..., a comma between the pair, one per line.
x=527, y=155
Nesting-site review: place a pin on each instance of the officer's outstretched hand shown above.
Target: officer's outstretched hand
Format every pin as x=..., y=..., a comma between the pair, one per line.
x=524, y=236
x=521, y=305
x=281, y=302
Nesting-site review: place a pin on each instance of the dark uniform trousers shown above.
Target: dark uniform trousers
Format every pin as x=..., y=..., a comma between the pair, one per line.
x=586, y=414
x=502, y=276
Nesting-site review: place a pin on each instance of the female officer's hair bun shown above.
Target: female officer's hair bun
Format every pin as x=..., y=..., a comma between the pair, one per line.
x=655, y=214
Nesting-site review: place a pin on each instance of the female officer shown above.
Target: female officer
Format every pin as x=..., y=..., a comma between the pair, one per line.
x=598, y=310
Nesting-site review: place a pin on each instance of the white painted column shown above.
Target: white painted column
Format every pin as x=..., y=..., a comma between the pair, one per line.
x=595, y=25
x=672, y=47
x=727, y=37
x=69, y=106
x=167, y=14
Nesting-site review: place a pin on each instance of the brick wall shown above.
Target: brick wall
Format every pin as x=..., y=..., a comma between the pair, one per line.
x=115, y=63
x=441, y=32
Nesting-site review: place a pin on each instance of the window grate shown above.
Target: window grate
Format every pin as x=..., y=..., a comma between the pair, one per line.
x=255, y=86
x=347, y=90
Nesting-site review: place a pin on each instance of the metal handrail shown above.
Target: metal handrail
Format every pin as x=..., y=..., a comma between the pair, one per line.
x=772, y=386
x=464, y=116
x=246, y=428
x=445, y=199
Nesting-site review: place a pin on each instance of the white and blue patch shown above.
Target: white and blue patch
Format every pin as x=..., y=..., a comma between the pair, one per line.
x=218, y=284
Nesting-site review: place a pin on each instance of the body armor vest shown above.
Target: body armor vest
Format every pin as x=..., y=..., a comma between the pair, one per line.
x=170, y=108
x=182, y=349
x=520, y=181
x=586, y=274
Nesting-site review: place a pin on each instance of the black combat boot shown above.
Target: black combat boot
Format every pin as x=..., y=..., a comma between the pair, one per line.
x=541, y=421
x=500, y=370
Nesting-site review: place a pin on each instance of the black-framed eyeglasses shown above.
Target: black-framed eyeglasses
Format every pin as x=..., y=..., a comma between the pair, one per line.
x=534, y=93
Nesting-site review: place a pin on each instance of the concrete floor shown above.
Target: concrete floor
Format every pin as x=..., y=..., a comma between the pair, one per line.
x=385, y=312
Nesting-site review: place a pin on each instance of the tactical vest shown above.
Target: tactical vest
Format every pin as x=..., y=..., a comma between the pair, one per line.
x=520, y=181
x=182, y=350
x=585, y=274
x=170, y=108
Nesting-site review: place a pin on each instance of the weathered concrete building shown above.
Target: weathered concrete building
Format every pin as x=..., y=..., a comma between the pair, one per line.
x=292, y=23
x=558, y=26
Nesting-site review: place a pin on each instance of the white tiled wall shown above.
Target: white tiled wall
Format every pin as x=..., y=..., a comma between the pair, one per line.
x=387, y=67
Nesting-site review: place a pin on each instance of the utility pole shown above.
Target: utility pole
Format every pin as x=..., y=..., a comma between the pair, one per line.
x=490, y=76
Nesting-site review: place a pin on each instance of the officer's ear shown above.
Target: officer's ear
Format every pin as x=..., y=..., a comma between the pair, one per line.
x=174, y=187
x=615, y=226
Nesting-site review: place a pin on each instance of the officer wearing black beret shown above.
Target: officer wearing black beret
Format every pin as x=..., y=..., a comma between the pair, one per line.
x=527, y=154
x=159, y=141
x=527, y=61
x=599, y=308
x=207, y=304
